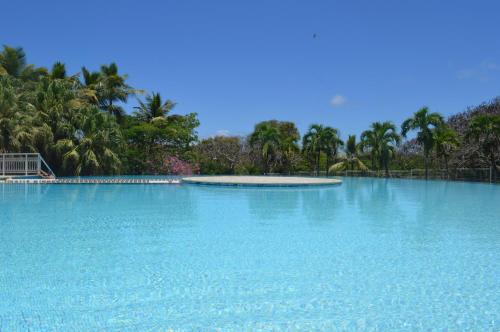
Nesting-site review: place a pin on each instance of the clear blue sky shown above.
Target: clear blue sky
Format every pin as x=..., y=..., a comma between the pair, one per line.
x=239, y=62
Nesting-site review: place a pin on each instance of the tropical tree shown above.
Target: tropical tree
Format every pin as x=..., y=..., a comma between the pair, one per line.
x=320, y=140
x=94, y=147
x=220, y=154
x=312, y=144
x=91, y=79
x=381, y=139
x=423, y=121
x=446, y=141
x=110, y=88
x=14, y=129
x=58, y=71
x=288, y=147
x=13, y=63
x=485, y=130
x=114, y=89
x=350, y=160
x=153, y=108
x=332, y=143
x=266, y=139
x=67, y=120
x=149, y=143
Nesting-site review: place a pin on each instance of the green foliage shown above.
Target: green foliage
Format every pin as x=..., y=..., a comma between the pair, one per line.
x=446, y=141
x=58, y=71
x=424, y=122
x=75, y=124
x=221, y=155
x=351, y=160
x=93, y=149
x=321, y=140
x=13, y=63
x=109, y=88
x=149, y=142
x=381, y=140
x=485, y=130
x=275, y=145
x=153, y=108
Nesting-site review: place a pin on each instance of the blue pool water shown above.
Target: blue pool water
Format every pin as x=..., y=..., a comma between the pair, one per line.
x=368, y=255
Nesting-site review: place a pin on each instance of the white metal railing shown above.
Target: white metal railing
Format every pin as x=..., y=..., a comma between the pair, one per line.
x=23, y=164
x=474, y=174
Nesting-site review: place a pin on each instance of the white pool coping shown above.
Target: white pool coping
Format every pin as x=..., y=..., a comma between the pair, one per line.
x=233, y=180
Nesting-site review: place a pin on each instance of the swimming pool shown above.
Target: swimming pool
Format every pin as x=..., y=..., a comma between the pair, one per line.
x=370, y=254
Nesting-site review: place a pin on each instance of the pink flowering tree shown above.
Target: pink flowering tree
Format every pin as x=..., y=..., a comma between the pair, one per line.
x=174, y=165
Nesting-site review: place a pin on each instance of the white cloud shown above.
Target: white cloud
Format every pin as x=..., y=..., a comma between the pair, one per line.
x=481, y=72
x=222, y=132
x=492, y=65
x=338, y=100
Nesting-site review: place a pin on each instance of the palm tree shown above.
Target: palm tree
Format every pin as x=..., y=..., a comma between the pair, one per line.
x=57, y=103
x=91, y=86
x=58, y=71
x=153, y=108
x=8, y=108
x=114, y=89
x=93, y=149
x=91, y=79
x=13, y=63
x=332, y=143
x=485, y=130
x=381, y=139
x=16, y=119
x=289, y=137
x=312, y=144
x=320, y=139
x=424, y=122
x=266, y=138
x=351, y=158
x=109, y=87
x=12, y=60
x=446, y=140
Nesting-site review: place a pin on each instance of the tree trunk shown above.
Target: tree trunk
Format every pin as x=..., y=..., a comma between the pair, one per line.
x=327, y=164
x=318, y=158
x=493, y=165
x=382, y=165
x=426, y=164
x=446, y=166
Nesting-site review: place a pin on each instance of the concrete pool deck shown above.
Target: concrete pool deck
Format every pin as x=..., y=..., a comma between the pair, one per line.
x=285, y=181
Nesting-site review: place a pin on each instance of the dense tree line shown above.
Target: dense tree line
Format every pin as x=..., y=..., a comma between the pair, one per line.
x=468, y=139
x=77, y=122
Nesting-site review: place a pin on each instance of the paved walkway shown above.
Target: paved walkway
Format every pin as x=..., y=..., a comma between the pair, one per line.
x=261, y=180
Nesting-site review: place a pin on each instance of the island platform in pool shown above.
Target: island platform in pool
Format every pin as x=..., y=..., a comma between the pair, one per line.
x=286, y=181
